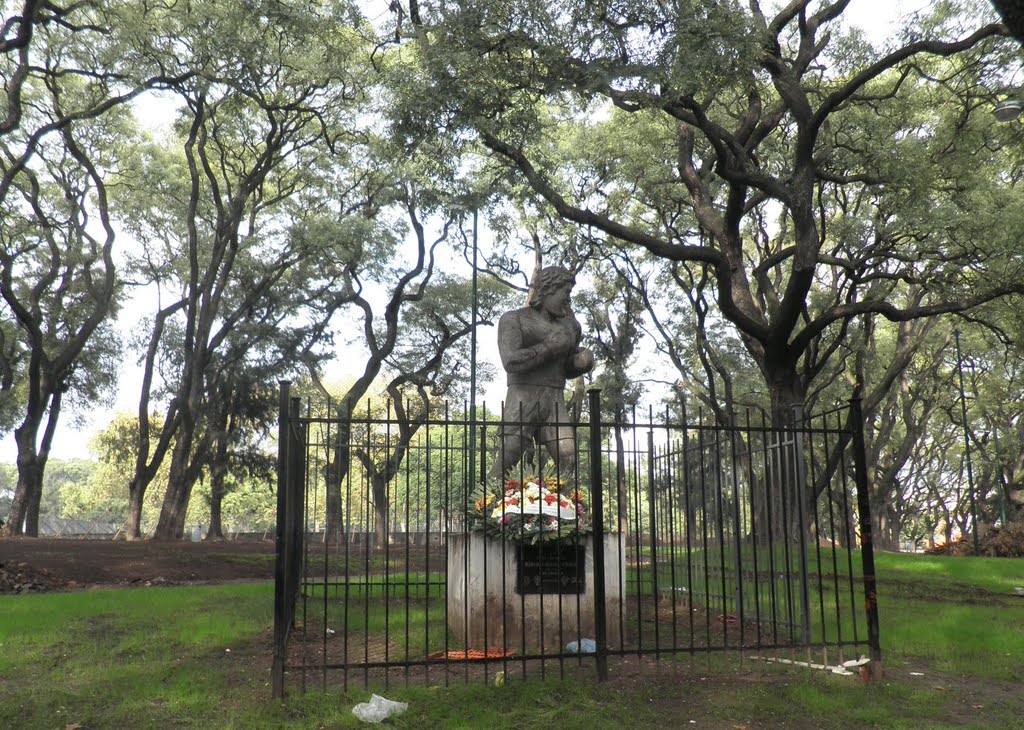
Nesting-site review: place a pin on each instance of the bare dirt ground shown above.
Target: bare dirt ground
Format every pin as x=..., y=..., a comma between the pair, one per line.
x=33, y=564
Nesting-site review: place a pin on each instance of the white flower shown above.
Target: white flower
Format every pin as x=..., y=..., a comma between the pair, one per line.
x=555, y=510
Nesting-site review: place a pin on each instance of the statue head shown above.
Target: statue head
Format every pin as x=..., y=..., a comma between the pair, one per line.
x=549, y=280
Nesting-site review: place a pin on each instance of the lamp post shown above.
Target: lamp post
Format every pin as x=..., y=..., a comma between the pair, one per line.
x=472, y=360
x=967, y=444
x=474, y=308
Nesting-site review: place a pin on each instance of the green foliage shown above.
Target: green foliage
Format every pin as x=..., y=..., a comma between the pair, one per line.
x=62, y=477
x=8, y=481
x=97, y=491
x=816, y=204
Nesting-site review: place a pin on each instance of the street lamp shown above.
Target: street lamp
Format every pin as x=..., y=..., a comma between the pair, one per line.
x=967, y=443
x=472, y=360
x=1007, y=111
x=472, y=344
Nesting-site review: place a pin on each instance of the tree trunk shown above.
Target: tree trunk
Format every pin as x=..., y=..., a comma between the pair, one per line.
x=215, y=531
x=136, y=494
x=217, y=491
x=15, y=524
x=336, y=470
x=32, y=508
x=24, y=514
x=787, y=392
x=171, y=525
x=218, y=475
x=1014, y=504
x=883, y=529
x=848, y=533
x=379, y=485
x=621, y=491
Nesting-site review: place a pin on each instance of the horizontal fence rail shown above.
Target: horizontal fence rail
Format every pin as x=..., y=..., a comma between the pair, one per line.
x=662, y=538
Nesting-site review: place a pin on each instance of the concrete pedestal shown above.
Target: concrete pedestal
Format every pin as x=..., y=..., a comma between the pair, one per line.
x=484, y=609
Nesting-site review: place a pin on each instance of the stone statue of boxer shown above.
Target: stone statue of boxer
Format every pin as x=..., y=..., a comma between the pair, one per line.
x=540, y=349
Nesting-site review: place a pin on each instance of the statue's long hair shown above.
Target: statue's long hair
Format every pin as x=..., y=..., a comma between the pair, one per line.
x=548, y=280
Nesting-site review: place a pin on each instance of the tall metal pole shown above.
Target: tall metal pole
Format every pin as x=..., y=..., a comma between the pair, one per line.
x=1002, y=480
x=867, y=545
x=967, y=444
x=802, y=490
x=280, y=544
x=597, y=520
x=472, y=363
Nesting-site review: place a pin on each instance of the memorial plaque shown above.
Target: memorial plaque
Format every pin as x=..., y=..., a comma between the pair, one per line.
x=550, y=567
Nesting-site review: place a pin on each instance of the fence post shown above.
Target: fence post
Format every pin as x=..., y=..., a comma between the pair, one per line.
x=867, y=554
x=652, y=516
x=296, y=525
x=280, y=561
x=597, y=517
x=802, y=494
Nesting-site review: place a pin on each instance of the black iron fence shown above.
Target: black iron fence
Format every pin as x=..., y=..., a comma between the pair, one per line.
x=662, y=538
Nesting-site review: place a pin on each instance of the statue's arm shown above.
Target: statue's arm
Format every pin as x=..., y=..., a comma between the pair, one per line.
x=515, y=357
x=580, y=360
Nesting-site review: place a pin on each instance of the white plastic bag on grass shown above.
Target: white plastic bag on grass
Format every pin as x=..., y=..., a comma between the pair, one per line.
x=378, y=709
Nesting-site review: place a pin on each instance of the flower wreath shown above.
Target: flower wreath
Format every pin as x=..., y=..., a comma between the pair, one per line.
x=531, y=511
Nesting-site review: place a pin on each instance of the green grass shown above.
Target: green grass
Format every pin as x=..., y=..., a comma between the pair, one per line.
x=944, y=575
x=957, y=614
x=713, y=585
x=199, y=657
x=102, y=658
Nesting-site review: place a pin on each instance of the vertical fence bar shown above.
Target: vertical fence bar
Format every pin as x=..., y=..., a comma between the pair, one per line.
x=654, y=532
x=344, y=432
x=690, y=520
x=867, y=553
x=385, y=515
x=426, y=556
x=295, y=526
x=670, y=505
x=325, y=430
x=737, y=517
x=814, y=503
x=280, y=560
x=801, y=494
x=369, y=532
x=638, y=531
x=785, y=474
x=447, y=527
x=719, y=508
x=408, y=535
x=769, y=481
x=754, y=518
x=705, y=560
x=621, y=527
x=597, y=490
x=834, y=535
